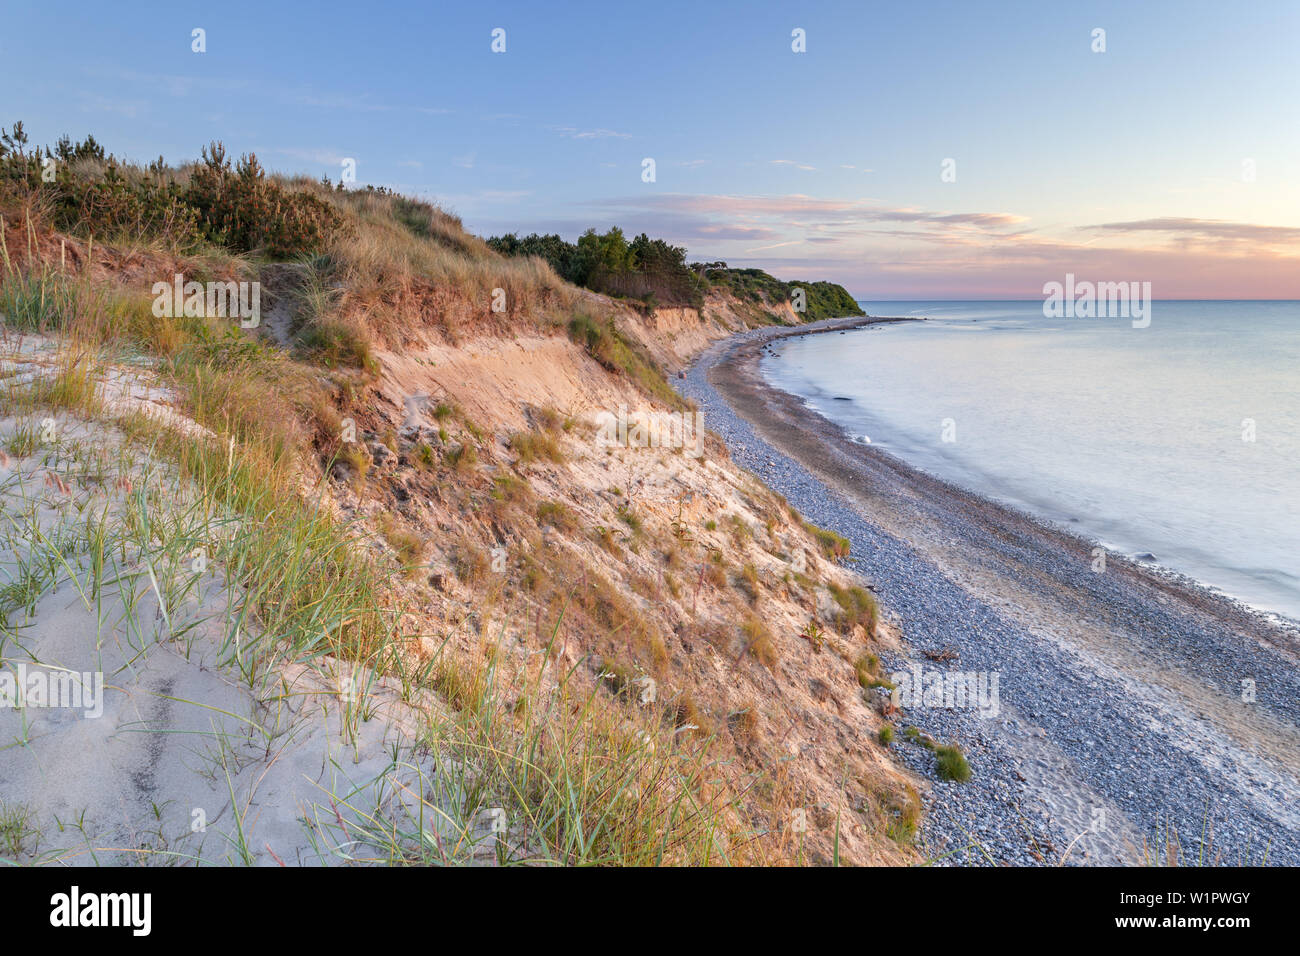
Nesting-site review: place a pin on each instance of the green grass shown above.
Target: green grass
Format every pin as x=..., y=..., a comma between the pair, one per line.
x=857, y=606
x=831, y=545
x=535, y=446
x=575, y=778
x=16, y=834
x=617, y=354
x=584, y=780
x=950, y=763
x=38, y=302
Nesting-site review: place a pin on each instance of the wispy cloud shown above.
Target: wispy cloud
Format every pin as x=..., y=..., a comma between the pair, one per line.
x=171, y=84
x=791, y=162
x=775, y=245
x=1208, y=229
x=325, y=156
x=355, y=103
x=809, y=211
x=95, y=103
x=572, y=132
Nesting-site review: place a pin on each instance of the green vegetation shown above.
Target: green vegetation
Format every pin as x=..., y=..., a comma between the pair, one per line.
x=822, y=300
x=535, y=446
x=235, y=207
x=656, y=272
x=611, y=349
x=647, y=269
x=830, y=544
x=857, y=606
x=592, y=783
x=15, y=831
x=950, y=763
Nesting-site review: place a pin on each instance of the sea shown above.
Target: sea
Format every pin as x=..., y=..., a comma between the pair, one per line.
x=1176, y=440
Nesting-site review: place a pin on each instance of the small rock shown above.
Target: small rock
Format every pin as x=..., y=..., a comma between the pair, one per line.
x=382, y=456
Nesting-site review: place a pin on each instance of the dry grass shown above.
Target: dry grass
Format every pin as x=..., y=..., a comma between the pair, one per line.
x=759, y=641
x=408, y=546
x=558, y=515
x=535, y=446
x=398, y=249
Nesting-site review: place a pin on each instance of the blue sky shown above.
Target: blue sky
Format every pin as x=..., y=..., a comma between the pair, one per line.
x=1127, y=164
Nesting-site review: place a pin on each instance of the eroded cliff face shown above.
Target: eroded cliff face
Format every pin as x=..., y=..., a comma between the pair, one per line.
x=676, y=335
x=544, y=509
x=539, y=502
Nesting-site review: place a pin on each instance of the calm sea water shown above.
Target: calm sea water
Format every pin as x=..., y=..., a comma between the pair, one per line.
x=1181, y=439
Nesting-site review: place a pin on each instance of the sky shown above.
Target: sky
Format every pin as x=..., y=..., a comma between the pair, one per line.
x=911, y=150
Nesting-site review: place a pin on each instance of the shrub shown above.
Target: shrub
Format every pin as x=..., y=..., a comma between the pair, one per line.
x=117, y=207
x=242, y=210
x=237, y=208
x=608, y=347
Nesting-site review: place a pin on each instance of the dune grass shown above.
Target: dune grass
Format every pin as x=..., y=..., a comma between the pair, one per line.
x=585, y=782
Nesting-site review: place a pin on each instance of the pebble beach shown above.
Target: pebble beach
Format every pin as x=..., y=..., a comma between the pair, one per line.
x=1140, y=719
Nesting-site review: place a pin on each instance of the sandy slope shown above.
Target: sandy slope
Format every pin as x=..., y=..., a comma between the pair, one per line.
x=204, y=745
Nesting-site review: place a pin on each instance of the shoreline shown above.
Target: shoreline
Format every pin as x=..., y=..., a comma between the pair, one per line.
x=740, y=375
x=1121, y=691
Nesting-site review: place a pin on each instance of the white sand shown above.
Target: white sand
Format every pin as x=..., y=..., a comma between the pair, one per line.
x=187, y=763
